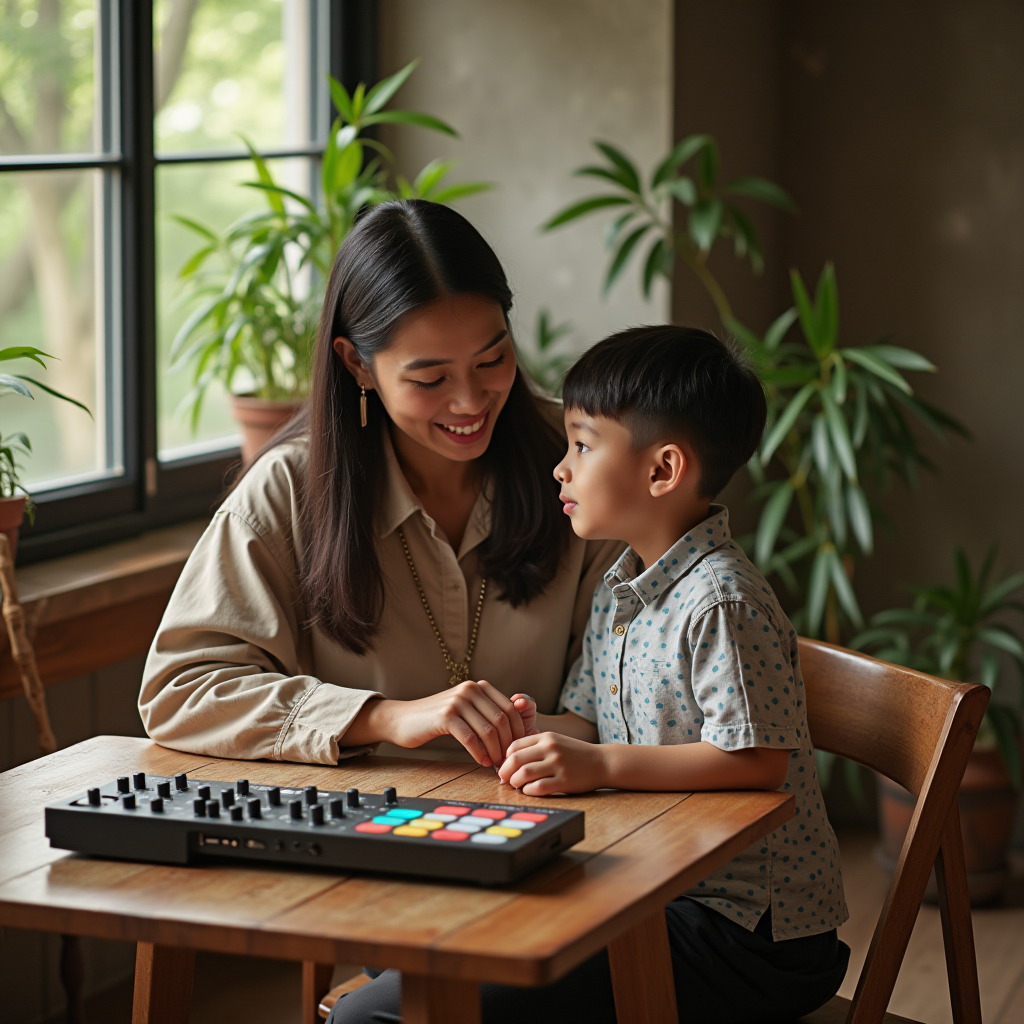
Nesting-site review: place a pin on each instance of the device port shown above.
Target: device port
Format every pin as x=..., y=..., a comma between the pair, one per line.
x=255, y=844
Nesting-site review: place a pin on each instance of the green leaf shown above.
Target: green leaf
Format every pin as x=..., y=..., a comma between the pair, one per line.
x=808, y=318
x=826, y=301
x=785, y=422
x=844, y=591
x=629, y=177
x=7, y=381
x=680, y=153
x=1006, y=726
x=764, y=191
x=707, y=167
x=705, y=221
x=582, y=208
x=195, y=226
x=873, y=364
x=838, y=379
x=195, y=261
x=652, y=265
x=820, y=444
x=386, y=88
x=622, y=256
x=779, y=329
x=684, y=190
x=282, y=191
x=341, y=99
x=772, y=517
x=411, y=117
x=1002, y=639
x=25, y=352
x=840, y=435
x=904, y=358
x=614, y=228
x=860, y=416
x=56, y=394
x=747, y=242
x=452, y=192
x=989, y=669
x=612, y=174
x=860, y=517
x=431, y=175
x=817, y=590
x=266, y=178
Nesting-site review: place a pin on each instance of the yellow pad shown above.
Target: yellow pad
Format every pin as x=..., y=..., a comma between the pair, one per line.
x=502, y=830
x=429, y=824
x=410, y=830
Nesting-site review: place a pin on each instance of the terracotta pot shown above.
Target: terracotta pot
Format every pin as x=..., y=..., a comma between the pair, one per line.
x=987, y=802
x=12, y=514
x=260, y=419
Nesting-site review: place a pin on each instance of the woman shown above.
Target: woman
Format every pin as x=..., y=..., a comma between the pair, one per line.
x=402, y=537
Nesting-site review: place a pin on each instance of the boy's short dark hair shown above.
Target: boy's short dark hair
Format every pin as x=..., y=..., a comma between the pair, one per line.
x=667, y=382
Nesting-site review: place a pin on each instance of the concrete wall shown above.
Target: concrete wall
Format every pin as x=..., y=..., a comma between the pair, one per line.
x=102, y=702
x=529, y=84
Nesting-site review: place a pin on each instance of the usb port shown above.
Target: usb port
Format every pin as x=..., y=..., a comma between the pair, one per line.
x=209, y=841
x=255, y=844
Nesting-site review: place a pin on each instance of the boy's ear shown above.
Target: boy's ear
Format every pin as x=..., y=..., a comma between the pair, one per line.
x=669, y=464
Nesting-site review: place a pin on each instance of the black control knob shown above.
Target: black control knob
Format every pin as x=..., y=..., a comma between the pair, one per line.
x=311, y=795
x=255, y=811
x=156, y=805
x=181, y=782
x=199, y=807
x=274, y=796
x=227, y=797
x=203, y=792
x=295, y=810
x=94, y=797
x=316, y=814
x=337, y=808
x=352, y=797
x=243, y=787
x=236, y=812
x=139, y=780
x=163, y=789
x=128, y=801
x=124, y=784
x=390, y=795
x=212, y=809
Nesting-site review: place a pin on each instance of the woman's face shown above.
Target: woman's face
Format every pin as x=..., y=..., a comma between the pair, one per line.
x=445, y=376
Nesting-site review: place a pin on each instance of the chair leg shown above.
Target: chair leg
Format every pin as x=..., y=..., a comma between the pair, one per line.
x=957, y=927
x=163, y=984
x=316, y=980
x=641, y=964
x=72, y=976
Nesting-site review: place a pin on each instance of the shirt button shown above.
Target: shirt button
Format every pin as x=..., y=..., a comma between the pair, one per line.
x=614, y=689
x=619, y=630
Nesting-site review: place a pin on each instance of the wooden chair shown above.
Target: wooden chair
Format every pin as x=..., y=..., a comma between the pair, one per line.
x=919, y=732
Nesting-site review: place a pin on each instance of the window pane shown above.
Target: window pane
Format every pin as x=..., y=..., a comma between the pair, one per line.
x=52, y=296
x=223, y=68
x=212, y=195
x=47, y=77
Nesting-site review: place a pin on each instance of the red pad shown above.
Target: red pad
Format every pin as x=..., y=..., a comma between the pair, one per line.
x=451, y=810
x=528, y=816
x=372, y=826
x=486, y=812
x=448, y=835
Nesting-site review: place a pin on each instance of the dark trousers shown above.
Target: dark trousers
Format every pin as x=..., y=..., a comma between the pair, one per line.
x=723, y=975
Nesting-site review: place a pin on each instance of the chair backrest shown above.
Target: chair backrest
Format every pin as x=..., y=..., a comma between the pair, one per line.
x=918, y=731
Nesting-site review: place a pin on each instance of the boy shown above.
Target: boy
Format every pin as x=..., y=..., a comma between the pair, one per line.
x=689, y=677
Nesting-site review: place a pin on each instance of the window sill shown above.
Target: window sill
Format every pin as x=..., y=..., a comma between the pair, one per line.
x=97, y=607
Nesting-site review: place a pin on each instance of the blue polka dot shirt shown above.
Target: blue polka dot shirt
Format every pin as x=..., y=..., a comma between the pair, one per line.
x=696, y=648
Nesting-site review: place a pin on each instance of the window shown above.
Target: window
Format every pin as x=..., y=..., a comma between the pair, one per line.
x=115, y=116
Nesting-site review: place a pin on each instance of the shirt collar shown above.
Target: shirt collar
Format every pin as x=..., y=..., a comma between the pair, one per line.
x=400, y=503
x=690, y=549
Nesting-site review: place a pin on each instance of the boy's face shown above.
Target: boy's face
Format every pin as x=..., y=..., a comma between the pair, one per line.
x=605, y=484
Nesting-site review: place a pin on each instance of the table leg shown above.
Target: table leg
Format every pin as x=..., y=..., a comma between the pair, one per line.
x=163, y=984
x=433, y=1000
x=316, y=981
x=642, y=973
x=72, y=976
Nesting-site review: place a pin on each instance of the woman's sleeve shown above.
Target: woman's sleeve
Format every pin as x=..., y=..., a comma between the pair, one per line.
x=223, y=676
x=599, y=556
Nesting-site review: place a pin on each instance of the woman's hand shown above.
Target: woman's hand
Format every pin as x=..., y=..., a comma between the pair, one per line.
x=527, y=708
x=552, y=763
x=480, y=717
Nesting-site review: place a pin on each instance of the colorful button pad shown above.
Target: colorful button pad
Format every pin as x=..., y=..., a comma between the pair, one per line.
x=453, y=823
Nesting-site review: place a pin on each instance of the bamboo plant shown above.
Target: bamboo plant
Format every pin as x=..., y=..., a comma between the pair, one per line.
x=256, y=288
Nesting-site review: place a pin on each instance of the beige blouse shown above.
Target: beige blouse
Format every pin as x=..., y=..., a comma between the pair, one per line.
x=234, y=672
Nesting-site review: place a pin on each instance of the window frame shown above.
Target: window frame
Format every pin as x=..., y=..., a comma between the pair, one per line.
x=150, y=493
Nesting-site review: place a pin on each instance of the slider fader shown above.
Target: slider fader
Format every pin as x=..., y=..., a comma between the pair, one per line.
x=178, y=820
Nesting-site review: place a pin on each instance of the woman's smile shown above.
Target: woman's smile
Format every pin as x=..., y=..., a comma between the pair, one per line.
x=466, y=432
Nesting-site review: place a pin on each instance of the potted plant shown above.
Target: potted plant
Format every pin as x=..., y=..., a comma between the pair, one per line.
x=257, y=287
x=14, y=506
x=962, y=632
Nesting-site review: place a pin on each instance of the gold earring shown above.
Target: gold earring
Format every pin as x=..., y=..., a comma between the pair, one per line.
x=362, y=405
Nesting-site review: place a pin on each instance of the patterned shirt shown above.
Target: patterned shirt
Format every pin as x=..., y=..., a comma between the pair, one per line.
x=697, y=648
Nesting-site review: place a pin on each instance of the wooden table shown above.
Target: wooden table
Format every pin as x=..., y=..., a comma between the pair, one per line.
x=640, y=851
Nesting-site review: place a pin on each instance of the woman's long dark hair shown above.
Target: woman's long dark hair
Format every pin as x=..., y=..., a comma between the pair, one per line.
x=399, y=257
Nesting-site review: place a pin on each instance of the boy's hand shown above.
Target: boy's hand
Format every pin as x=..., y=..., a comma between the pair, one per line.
x=549, y=762
x=527, y=708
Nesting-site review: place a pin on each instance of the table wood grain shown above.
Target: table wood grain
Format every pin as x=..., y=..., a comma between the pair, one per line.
x=640, y=850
